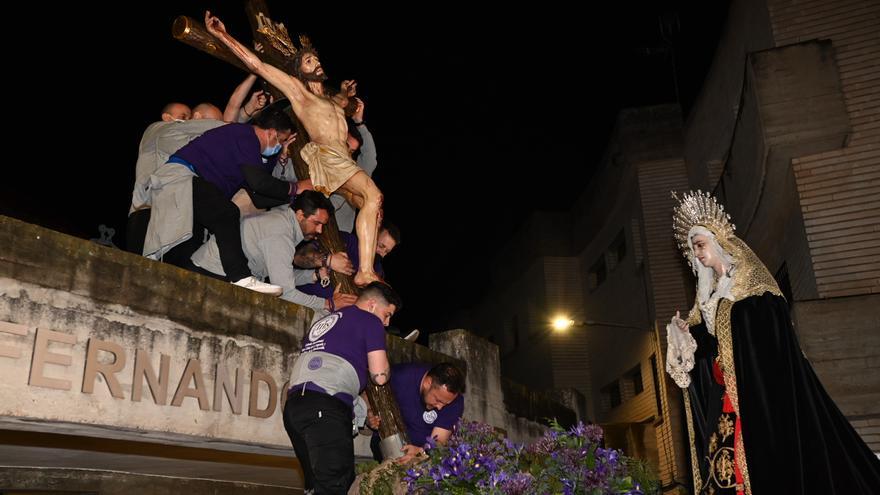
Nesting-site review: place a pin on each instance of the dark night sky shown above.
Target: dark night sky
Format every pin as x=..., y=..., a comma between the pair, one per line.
x=469, y=112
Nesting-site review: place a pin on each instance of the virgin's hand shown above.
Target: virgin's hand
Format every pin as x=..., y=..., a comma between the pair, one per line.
x=681, y=324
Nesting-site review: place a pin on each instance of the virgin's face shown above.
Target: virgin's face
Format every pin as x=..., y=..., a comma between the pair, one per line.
x=703, y=251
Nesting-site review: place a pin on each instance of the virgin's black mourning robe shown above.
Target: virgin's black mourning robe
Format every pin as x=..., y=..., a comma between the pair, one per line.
x=795, y=439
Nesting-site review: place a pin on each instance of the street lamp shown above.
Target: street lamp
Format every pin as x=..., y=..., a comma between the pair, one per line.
x=562, y=323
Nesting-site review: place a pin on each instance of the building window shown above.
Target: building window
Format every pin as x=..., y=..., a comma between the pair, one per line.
x=611, y=394
x=635, y=377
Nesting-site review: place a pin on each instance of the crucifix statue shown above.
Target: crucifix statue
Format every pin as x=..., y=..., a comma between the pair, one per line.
x=327, y=155
x=325, y=158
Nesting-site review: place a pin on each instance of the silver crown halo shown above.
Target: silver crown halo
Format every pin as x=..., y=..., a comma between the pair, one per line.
x=699, y=208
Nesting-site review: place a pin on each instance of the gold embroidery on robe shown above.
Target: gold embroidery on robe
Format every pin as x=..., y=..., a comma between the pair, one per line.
x=722, y=466
x=725, y=426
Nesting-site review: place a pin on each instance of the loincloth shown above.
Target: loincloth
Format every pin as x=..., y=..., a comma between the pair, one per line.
x=328, y=168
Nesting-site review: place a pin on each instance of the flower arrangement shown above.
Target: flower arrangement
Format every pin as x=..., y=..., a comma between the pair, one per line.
x=477, y=459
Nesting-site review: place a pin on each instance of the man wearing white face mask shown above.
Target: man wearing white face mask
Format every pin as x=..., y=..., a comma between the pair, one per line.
x=211, y=166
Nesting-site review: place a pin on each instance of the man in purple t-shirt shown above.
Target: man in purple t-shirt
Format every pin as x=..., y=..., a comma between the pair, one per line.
x=219, y=158
x=338, y=353
x=430, y=401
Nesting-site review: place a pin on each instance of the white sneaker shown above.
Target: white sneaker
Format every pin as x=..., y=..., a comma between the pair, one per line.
x=253, y=284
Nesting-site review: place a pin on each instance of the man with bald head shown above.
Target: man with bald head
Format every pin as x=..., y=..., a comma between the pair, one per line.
x=207, y=111
x=159, y=142
x=176, y=111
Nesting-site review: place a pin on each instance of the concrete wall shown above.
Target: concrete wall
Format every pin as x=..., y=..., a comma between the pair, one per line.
x=78, y=319
x=839, y=188
x=74, y=361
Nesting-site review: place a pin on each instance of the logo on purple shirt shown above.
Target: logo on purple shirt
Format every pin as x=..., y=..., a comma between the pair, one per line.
x=323, y=326
x=429, y=416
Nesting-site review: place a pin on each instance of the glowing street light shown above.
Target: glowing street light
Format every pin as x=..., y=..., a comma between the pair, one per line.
x=562, y=323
